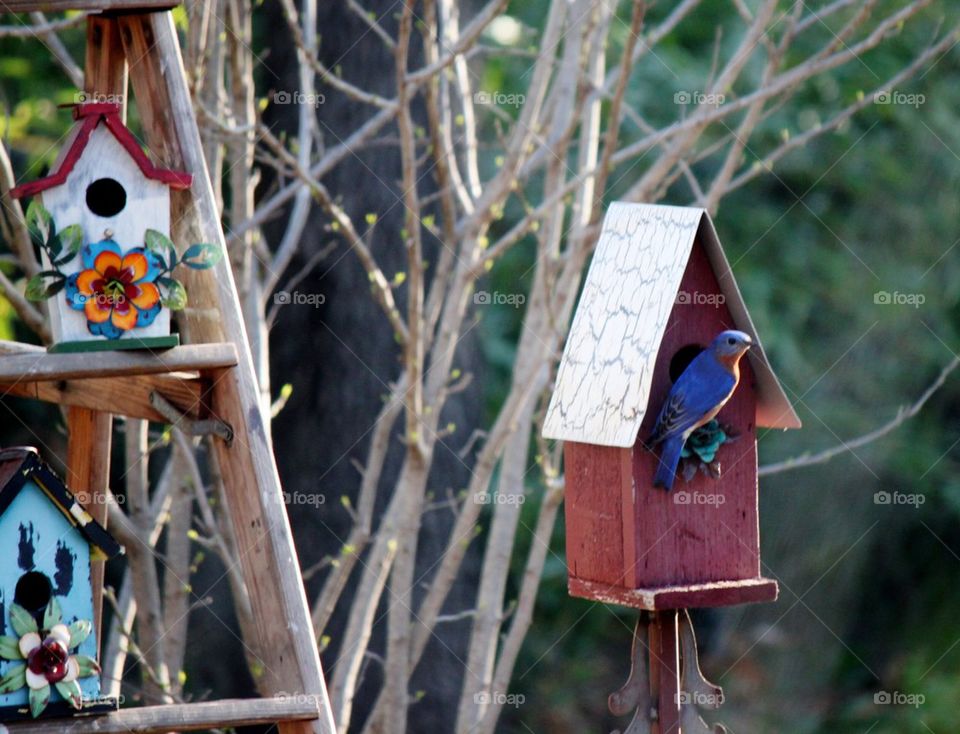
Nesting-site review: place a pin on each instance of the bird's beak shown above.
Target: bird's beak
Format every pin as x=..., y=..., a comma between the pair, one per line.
x=748, y=342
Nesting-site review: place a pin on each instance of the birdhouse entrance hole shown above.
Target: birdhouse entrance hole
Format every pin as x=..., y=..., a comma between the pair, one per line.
x=106, y=197
x=683, y=357
x=33, y=592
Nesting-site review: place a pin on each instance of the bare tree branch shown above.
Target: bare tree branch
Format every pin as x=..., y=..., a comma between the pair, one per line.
x=903, y=414
x=40, y=28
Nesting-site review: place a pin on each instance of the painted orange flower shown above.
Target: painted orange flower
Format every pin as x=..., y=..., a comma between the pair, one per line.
x=116, y=291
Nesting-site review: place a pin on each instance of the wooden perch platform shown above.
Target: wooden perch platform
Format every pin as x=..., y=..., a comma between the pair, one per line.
x=181, y=717
x=714, y=594
x=20, y=366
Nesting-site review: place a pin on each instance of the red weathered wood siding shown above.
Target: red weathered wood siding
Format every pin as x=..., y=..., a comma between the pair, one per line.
x=598, y=509
x=695, y=542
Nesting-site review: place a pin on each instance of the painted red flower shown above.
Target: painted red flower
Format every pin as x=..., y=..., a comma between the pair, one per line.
x=49, y=659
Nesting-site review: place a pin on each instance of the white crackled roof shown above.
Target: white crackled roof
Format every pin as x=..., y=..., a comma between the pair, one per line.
x=607, y=366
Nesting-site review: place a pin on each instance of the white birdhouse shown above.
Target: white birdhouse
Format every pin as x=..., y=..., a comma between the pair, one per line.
x=104, y=221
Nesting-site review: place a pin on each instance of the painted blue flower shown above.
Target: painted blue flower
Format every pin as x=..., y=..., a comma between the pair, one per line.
x=116, y=290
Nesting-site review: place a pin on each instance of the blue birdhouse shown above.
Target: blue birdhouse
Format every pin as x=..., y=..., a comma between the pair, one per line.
x=48, y=647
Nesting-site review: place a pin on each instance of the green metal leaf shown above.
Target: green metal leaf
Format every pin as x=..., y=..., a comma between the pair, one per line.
x=79, y=631
x=36, y=289
x=38, y=223
x=72, y=238
x=52, y=614
x=88, y=666
x=10, y=648
x=71, y=692
x=202, y=256
x=157, y=242
x=39, y=698
x=21, y=620
x=52, y=237
x=55, y=287
x=54, y=246
x=14, y=679
x=176, y=298
x=192, y=252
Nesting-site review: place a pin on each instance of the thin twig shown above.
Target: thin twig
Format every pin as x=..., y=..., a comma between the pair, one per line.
x=903, y=414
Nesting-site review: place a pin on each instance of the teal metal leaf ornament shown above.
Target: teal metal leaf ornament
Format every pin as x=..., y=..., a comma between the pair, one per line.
x=14, y=679
x=21, y=620
x=39, y=698
x=699, y=453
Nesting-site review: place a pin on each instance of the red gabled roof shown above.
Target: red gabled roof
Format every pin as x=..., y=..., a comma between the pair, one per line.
x=91, y=115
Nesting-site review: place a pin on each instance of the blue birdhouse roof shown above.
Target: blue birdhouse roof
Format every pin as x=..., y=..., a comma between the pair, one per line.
x=20, y=464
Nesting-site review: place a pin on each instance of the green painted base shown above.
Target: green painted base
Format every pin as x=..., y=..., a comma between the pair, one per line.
x=152, y=343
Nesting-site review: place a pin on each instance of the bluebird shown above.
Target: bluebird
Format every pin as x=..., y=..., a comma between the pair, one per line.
x=695, y=398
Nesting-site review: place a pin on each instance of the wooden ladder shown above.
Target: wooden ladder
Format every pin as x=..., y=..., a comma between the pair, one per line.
x=212, y=374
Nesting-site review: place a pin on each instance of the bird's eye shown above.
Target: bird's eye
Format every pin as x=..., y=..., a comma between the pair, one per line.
x=731, y=341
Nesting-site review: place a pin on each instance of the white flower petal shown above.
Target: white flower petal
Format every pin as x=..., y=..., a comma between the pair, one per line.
x=73, y=669
x=36, y=681
x=29, y=642
x=62, y=633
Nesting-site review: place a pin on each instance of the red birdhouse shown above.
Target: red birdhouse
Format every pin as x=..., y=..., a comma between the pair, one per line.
x=658, y=291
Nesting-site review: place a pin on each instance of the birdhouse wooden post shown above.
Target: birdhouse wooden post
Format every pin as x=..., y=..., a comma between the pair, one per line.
x=101, y=205
x=48, y=649
x=658, y=291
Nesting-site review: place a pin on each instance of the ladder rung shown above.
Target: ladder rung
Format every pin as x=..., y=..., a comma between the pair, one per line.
x=53, y=6
x=181, y=717
x=37, y=366
x=126, y=396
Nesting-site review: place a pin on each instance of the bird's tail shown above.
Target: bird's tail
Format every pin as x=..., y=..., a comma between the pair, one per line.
x=669, y=459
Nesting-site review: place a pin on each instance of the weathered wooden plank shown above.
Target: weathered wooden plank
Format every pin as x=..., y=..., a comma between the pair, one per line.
x=716, y=594
x=126, y=396
x=180, y=717
x=285, y=641
x=59, y=6
x=105, y=66
x=192, y=357
x=89, y=438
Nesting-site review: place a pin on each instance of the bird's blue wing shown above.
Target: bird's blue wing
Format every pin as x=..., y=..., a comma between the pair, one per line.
x=701, y=387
